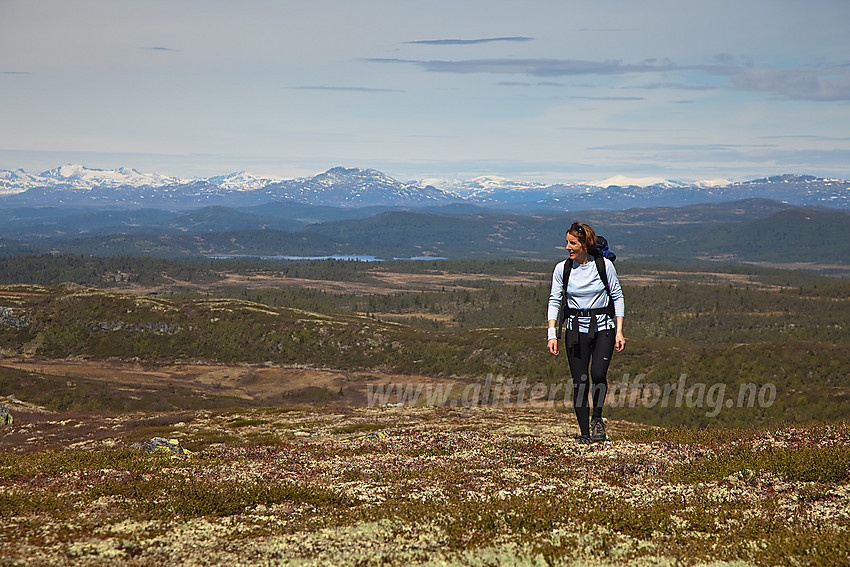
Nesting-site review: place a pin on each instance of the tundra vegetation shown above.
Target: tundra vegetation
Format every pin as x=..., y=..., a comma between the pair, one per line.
x=100, y=353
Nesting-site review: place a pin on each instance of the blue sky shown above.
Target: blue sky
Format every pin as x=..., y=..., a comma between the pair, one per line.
x=555, y=90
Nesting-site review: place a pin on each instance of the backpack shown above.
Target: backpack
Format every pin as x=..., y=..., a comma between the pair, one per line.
x=602, y=252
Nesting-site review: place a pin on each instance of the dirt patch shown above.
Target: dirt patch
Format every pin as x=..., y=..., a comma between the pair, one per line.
x=386, y=283
x=650, y=278
x=266, y=385
x=445, y=318
x=438, y=281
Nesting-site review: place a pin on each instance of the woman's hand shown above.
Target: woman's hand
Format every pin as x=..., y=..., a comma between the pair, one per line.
x=619, y=341
x=552, y=345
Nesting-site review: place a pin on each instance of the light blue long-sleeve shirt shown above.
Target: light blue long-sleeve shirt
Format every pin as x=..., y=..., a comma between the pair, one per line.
x=585, y=290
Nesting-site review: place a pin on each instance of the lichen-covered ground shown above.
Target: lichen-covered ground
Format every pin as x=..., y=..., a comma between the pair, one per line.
x=446, y=486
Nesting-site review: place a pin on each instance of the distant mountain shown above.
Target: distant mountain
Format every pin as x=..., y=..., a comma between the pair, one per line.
x=79, y=186
x=802, y=190
x=624, y=181
x=343, y=187
x=489, y=189
x=80, y=177
x=338, y=187
x=241, y=181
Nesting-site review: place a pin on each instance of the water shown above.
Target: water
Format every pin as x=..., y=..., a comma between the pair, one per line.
x=352, y=257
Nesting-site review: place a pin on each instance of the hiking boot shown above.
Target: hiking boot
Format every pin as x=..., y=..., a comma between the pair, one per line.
x=597, y=430
x=584, y=440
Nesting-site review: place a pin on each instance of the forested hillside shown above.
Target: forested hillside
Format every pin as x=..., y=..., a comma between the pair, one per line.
x=456, y=320
x=755, y=231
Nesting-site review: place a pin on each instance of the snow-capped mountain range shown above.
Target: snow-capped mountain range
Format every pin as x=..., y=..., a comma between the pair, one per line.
x=82, y=177
x=79, y=176
x=353, y=187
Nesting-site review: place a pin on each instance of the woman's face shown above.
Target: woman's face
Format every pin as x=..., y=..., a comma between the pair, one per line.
x=574, y=247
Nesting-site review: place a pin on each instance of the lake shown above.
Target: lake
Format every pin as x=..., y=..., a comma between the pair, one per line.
x=352, y=257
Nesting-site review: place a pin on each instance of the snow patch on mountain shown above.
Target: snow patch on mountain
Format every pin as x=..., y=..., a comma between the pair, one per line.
x=719, y=182
x=624, y=181
x=482, y=186
x=241, y=181
x=80, y=177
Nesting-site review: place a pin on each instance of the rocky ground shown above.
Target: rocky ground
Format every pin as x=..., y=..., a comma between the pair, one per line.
x=323, y=485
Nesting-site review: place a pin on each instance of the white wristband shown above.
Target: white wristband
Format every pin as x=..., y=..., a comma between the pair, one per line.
x=553, y=333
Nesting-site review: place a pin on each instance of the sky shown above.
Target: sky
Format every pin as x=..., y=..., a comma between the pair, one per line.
x=547, y=91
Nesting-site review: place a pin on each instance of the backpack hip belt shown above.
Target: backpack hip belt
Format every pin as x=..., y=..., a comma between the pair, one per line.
x=574, y=314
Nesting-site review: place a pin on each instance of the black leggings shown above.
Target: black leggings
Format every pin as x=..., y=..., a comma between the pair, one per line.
x=593, y=354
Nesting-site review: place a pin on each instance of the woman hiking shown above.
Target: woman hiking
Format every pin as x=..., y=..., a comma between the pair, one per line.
x=593, y=309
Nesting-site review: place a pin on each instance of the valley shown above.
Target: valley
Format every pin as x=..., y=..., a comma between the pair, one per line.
x=406, y=412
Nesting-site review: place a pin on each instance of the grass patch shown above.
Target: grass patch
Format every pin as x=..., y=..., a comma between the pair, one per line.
x=53, y=463
x=247, y=422
x=258, y=439
x=161, y=497
x=690, y=436
x=21, y=503
x=823, y=463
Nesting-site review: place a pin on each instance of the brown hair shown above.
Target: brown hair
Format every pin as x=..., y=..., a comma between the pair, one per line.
x=585, y=235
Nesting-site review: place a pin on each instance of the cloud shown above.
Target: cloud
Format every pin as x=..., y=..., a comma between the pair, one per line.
x=812, y=137
x=602, y=129
x=609, y=98
x=755, y=160
x=524, y=84
x=813, y=85
x=469, y=41
x=535, y=67
x=824, y=85
x=680, y=86
x=678, y=147
x=15, y=73
x=161, y=49
x=348, y=89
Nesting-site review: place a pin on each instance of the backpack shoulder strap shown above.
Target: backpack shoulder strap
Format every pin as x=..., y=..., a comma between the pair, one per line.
x=562, y=310
x=603, y=275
